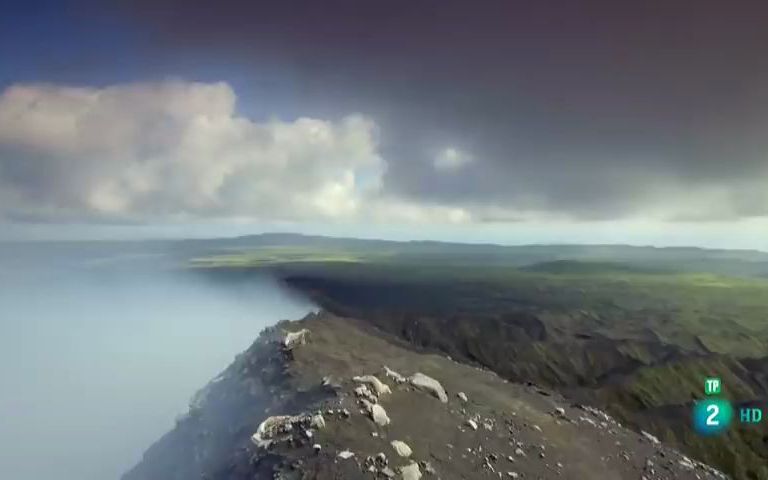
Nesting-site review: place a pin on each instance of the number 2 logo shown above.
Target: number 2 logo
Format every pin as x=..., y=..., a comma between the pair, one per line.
x=713, y=411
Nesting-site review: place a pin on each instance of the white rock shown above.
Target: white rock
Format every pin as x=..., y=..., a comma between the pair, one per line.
x=346, y=454
x=650, y=437
x=686, y=463
x=401, y=448
x=588, y=420
x=393, y=375
x=293, y=339
x=378, y=414
x=317, y=421
x=560, y=412
x=424, y=382
x=279, y=427
x=462, y=396
x=411, y=472
x=363, y=392
x=270, y=428
x=513, y=475
x=379, y=387
x=472, y=424
x=316, y=447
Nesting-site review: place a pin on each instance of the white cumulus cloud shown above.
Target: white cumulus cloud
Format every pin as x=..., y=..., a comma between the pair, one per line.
x=175, y=149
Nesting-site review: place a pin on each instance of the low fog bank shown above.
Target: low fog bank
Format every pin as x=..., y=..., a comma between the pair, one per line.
x=97, y=360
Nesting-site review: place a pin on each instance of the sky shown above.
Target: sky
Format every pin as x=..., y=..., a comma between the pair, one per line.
x=504, y=121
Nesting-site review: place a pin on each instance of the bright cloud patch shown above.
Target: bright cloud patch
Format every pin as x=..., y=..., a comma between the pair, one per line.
x=175, y=149
x=451, y=159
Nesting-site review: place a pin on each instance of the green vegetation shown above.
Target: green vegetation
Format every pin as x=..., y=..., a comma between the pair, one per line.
x=633, y=329
x=275, y=255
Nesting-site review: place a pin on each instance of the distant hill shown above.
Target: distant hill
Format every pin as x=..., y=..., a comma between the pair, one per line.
x=624, y=257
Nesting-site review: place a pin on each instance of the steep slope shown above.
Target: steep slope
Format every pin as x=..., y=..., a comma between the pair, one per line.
x=636, y=346
x=302, y=402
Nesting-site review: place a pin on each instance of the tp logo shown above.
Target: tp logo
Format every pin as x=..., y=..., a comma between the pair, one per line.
x=712, y=386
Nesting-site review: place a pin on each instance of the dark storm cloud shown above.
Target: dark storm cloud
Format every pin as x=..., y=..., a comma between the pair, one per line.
x=501, y=109
x=592, y=109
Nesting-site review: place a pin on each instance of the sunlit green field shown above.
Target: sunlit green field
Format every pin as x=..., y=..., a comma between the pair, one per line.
x=725, y=314
x=276, y=255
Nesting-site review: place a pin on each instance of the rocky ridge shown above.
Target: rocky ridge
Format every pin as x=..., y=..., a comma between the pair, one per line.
x=331, y=397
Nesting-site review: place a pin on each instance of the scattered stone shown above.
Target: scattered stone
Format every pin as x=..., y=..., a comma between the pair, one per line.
x=488, y=466
x=362, y=392
x=294, y=339
x=271, y=428
x=488, y=424
x=378, y=415
x=513, y=475
x=650, y=438
x=381, y=460
x=411, y=472
x=589, y=421
x=346, y=454
x=317, y=421
x=428, y=468
x=424, y=382
x=686, y=463
x=394, y=375
x=379, y=387
x=462, y=396
x=472, y=424
x=401, y=448
x=519, y=452
x=388, y=472
x=280, y=427
x=559, y=412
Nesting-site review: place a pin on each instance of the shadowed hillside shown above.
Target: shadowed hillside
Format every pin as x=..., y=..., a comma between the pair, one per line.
x=631, y=329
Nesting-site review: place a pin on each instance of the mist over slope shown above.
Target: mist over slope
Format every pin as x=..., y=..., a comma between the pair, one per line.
x=101, y=348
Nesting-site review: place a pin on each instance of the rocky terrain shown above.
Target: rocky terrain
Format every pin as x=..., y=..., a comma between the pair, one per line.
x=331, y=397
